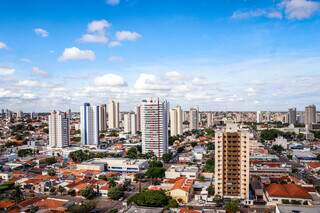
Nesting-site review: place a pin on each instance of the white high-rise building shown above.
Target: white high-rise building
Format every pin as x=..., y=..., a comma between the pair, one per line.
x=127, y=123
x=89, y=122
x=259, y=117
x=133, y=119
x=209, y=119
x=193, y=118
x=154, y=126
x=19, y=114
x=103, y=117
x=59, y=129
x=176, y=115
x=113, y=115
x=292, y=116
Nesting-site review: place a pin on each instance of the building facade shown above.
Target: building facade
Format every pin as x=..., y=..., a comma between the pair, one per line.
x=89, y=125
x=103, y=117
x=176, y=121
x=59, y=129
x=193, y=118
x=310, y=115
x=232, y=148
x=292, y=116
x=154, y=126
x=113, y=114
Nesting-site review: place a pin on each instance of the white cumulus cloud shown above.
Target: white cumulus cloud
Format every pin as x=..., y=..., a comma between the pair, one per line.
x=3, y=45
x=127, y=36
x=257, y=13
x=74, y=53
x=110, y=80
x=30, y=83
x=6, y=71
x=41, y=32
x=299, y=9
x=147, y=82
x=96, y=32
x=38, y=71
x=174, y=76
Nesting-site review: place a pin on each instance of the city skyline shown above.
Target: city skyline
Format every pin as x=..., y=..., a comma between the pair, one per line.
x=219, y=57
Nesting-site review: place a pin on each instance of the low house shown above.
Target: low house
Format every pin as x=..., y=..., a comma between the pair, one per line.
x=176, y=171
x=182, y=190
x=287, y=193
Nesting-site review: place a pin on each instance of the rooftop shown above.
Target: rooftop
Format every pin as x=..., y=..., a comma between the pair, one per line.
x=287, y=191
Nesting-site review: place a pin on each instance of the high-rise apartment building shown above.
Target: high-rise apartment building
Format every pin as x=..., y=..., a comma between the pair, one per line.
x=193, y=118
x=59, y=130
x=176, y=115
x=310, y=115
x=19, y=114
x=154, y=126
x=292, y=116
x=89, y=124
x=138, y=119
x=129, y=123
x=113, y=115
x=103, y=117
x=209, y=119
x=259, y=117
x=232, y=147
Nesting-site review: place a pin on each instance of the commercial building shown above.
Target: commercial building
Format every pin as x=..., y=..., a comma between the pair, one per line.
x=193, y=118
x=89, y=123
x=176, y=171
x=113, y=114
x=232, y=147
x=176, y=121
x=114, y=164
x=292, y=116
x=59, y=129
x=154, y=126
x=103, y=117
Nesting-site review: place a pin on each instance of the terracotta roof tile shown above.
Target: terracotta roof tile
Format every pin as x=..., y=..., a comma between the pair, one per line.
x=287, y=191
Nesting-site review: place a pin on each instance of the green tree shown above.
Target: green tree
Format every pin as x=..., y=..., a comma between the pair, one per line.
x=278, y=148
x=51, y=172
x=210, y=190
x=155, y=172
x=72, y=192
x=115, y=193
x=209, y=166
x=155, y=163
x=88, y=193
x=17, y=193
x=132, y=153
x=193, y=144
x=61, y=189
x=210, y=146
x=50, y=160
x=270, y=134
x=33, y=209
x=172, y=204
x=82, y=208
x=25, y=152
x=113, y=211
x=150, y=198
x=166, y=157
x=232, y=206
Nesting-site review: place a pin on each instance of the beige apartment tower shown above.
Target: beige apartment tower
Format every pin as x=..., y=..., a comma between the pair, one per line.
x=232, y=147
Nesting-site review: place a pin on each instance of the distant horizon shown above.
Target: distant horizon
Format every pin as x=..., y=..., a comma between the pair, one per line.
x=245, y=55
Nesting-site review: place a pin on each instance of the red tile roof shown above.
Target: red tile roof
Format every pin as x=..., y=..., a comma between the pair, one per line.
x=187, y=210
x=314, y=165
x=6, y=203
x=287, y=191
x=183, y=184
x=51, y=203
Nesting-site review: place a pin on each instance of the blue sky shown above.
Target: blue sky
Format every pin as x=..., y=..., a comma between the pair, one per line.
x=218, y=55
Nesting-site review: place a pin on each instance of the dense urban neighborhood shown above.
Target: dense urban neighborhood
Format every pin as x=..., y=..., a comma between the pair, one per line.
x=156, y=159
